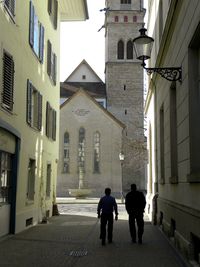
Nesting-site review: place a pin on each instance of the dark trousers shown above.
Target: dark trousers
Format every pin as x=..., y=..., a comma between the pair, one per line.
x=138, y=217
x=106, y=219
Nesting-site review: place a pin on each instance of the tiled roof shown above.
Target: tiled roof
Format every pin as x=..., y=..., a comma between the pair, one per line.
x=94, y=89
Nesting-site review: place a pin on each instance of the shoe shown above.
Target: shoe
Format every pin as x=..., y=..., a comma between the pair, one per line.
x=110, y=241
x=133, y=241
x=140, y=241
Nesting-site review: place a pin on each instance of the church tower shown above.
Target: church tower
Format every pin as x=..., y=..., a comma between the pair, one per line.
x=124, y=84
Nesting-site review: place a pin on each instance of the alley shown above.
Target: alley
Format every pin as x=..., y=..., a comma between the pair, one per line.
x=72, y=239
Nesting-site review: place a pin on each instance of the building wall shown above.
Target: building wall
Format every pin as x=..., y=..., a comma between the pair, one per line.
x=124, y=86
x=81, y=111
x=178, y=195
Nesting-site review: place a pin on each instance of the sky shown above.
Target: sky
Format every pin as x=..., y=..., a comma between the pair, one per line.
x=81, y=40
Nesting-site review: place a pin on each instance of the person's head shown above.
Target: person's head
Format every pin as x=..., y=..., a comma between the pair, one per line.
x=133, y=187
x=107, y=191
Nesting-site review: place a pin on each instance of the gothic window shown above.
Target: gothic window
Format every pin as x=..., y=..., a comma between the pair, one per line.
x=53, y=12
x=129, y=49
x=125, y=18
x=66, y=157
x=134, y=18
x=120, y=50
x=116, y=18
x=81, y=149
x=96, y=152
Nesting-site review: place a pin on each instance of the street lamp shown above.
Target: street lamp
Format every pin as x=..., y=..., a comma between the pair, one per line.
x=121, y=158
x=143, y=45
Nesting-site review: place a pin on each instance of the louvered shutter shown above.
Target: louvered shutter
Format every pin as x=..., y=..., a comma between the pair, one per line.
x=41, y=44
x=31, y=24
x=54, y=68
x=8, y=82
x=10, y=4
x=39, y=126
x=49, y=51
x=54, y=125
x=49, y=7
x=29, y=102
x=55, y=19
x=47, y=119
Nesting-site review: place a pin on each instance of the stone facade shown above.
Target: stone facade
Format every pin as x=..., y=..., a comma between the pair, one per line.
x=172, y=110
x=82, y=111
x=124, y=86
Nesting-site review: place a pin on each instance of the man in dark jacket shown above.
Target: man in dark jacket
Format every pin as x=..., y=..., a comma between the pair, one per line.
x=106, y=206
x=135, y=204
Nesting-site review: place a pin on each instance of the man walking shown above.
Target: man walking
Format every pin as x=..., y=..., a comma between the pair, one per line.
x=135, y=204
x=107, y=204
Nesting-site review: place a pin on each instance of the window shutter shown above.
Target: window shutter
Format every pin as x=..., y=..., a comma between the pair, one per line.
x=49, y=51
x=55, y=14
x=54, y=126
x=39, y=126
x=31, y=24
x=49, y=7
x=10, y=5
x=41, y=44
x=8, y=82
x=29, y=102
x=54, y=68
x=47, y=119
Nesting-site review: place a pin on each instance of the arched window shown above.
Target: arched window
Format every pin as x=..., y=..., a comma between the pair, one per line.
x=81, y=149
x=96, y=152
x=129, y=50
x=120, y=50
x=66, y=153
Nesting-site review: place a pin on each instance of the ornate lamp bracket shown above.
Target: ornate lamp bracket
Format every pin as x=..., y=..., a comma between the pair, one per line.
x=170, y=74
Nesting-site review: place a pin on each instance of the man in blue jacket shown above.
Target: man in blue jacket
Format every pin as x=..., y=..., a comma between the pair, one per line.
x=107, y=204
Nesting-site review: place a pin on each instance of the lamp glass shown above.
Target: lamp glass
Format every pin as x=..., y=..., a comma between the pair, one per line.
x=143, y=45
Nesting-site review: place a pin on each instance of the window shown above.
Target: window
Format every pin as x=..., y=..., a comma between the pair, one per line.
x=134, y=18
x=81, y=150
x=50, y=122
x=51, y=62
x=5, y=176
x=173, y=135
x=96, y=152
x=66, y=153
x=53, y=12
x=125, y=18
x=48, y=181
x=31, y=180
x=34, y=107
x=10, y=6
x=162, y=155
x=116, y=18
x=129, y=49
x=125, y=1
x=120, y=50
x=83, y=77
x=8, y=82
x=36, y=34
x=194, y=106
